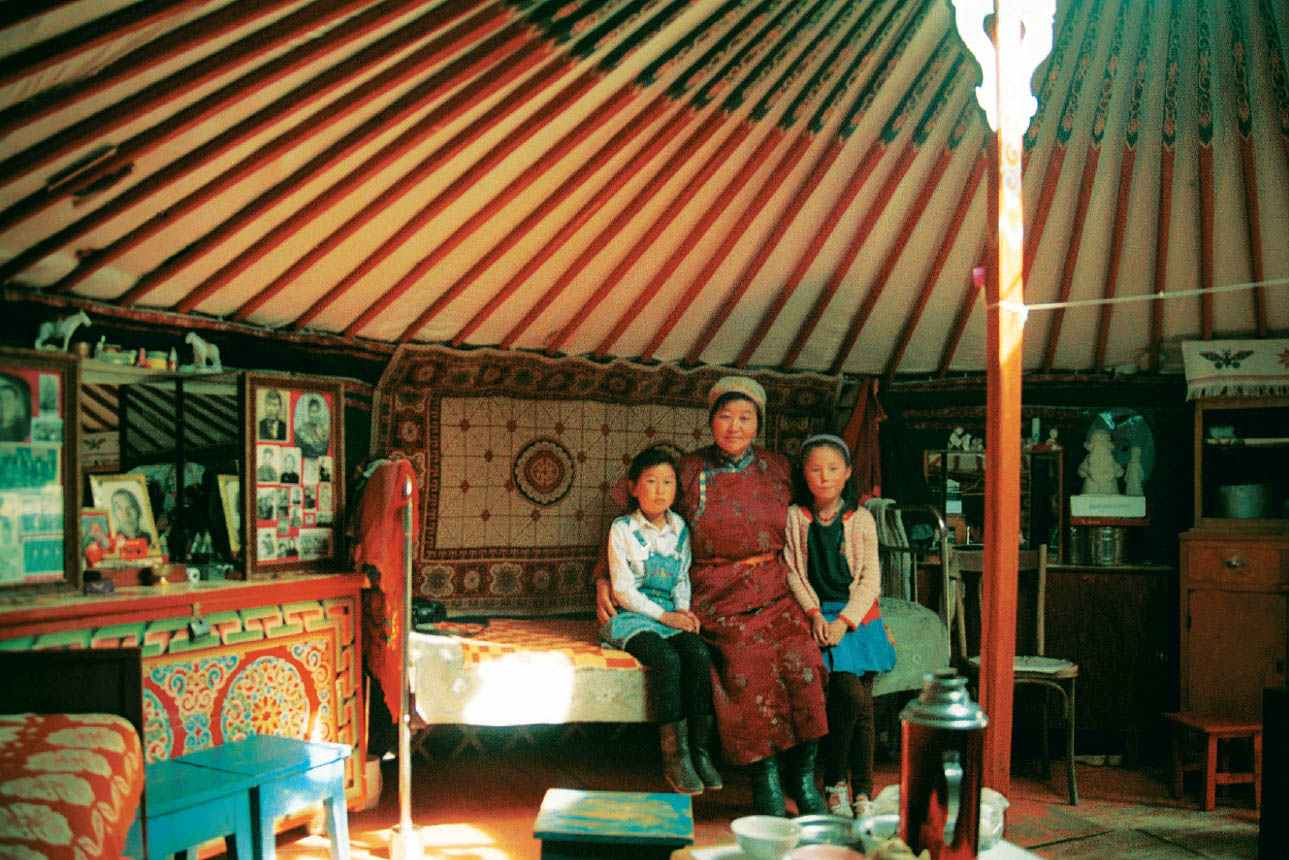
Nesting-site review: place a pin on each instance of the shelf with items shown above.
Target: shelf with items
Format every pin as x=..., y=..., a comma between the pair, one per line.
x=1242, y=464
x=958, y=480
x=249, y=466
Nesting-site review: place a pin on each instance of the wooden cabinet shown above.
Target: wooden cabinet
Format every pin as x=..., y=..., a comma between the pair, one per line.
x=1234, y=620
x=1233, y=601
x=1242, y=464
x=1116, y=622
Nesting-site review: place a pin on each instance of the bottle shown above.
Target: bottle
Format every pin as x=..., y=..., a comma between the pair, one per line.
x=943, y=734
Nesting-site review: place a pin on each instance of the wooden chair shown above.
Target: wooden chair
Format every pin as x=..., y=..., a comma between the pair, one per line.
x=1038, y=669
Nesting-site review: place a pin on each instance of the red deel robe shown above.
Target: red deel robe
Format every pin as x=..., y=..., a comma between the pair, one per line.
x=379, y=544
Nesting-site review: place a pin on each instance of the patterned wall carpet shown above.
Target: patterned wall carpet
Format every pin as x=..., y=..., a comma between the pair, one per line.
x=518, y=455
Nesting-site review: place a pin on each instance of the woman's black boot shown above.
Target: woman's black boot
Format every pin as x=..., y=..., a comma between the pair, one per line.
x=767, y=793
x=701, y=730
x=801, y=779
x=676, y=766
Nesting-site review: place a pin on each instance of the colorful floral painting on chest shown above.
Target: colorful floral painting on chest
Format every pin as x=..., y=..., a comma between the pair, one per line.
x=518, y=456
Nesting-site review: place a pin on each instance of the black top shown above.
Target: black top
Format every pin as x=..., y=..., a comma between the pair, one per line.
x=827, y=569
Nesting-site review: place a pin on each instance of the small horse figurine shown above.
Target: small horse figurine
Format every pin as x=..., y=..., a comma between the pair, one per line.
x=64, y=327
x=205, y=355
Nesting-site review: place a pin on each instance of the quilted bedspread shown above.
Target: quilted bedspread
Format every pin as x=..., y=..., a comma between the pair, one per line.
x=551, y=671
x=69, y=784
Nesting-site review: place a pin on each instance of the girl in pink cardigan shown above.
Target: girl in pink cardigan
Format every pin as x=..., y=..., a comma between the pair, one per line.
x=833, y=571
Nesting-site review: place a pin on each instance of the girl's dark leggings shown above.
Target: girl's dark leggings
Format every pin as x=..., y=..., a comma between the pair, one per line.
x=680, y=673
x=851, y=735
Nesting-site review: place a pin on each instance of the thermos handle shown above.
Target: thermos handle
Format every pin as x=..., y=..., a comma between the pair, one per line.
x=953, y=788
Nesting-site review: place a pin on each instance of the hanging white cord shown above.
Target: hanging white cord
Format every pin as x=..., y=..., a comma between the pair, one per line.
x=406, y=844
x=1147, y=297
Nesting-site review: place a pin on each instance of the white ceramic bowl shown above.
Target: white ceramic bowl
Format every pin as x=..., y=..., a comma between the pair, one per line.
x=765, y=837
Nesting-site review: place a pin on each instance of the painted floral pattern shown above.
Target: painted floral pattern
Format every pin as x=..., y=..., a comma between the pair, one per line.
x=69, y=785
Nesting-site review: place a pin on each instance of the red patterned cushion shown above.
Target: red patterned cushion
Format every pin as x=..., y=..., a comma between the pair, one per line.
x=69, y=784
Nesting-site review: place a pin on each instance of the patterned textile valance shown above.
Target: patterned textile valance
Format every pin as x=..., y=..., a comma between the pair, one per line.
x=1236, y=368
x=516, y=455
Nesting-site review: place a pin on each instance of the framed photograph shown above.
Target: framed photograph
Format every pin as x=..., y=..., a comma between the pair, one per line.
x=129, y=513
x=95, y=530
x=39, y=469
x=295, y=448
x=230, y=502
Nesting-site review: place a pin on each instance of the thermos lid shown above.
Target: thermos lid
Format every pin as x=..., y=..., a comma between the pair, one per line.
x=945, y=704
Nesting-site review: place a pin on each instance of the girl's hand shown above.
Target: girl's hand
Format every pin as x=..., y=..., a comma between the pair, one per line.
x=680, y=621
x=604, y=607
x=836, y=630
x=698, y=625
x=889, y=637
x=820, y=625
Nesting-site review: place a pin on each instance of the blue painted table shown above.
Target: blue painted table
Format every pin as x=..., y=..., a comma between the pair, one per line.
x=185, y=807
x=284, y=775
x=625, y=825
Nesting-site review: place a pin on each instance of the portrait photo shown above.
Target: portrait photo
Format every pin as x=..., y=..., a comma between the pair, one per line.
x=95, y=529
x=267, y=468
x=230, y=502
x=128, y=510
x=312, y=422
x=289, y=460
x=265, y=504
x=315, y=543
x=48, y=394
x=266, y=544
x=15, y=408
x=271, y=414
x=10, y=557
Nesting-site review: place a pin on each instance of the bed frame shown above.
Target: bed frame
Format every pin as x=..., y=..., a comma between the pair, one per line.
x=84, y=681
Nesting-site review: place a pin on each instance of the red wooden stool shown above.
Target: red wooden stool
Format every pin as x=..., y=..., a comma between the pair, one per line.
x=1215, y=729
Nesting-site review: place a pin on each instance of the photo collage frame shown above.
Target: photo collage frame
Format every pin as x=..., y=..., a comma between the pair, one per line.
x=39, y=422
x=295, y=462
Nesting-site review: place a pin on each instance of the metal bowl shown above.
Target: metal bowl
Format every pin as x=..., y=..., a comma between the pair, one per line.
x=828, y=830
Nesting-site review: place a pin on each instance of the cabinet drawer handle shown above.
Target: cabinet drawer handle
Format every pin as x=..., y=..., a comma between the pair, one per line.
x=1235, y=563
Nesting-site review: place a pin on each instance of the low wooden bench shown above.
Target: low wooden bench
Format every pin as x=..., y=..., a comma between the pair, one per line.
x=1213, y=730
x=240, y=789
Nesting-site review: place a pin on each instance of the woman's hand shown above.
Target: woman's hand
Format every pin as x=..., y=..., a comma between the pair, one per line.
x=604, y=606
x=836, y=630
x=680, y=621
x=820, y=629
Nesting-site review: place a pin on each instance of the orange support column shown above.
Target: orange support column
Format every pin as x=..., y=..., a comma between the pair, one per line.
x=1007, y=62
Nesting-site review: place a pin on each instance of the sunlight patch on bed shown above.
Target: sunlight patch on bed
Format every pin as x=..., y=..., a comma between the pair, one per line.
x=538, y=684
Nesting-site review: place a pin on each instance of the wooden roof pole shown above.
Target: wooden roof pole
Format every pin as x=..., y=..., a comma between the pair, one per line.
x=1014, y=58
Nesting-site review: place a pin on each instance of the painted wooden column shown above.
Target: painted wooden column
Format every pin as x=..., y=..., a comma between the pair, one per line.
x=1007, y=62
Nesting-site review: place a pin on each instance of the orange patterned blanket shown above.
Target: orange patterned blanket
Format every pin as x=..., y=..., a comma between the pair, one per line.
x=575, y=639
x=69, y=784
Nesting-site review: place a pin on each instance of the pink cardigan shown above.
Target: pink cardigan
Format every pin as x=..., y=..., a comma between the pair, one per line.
x=859, y=543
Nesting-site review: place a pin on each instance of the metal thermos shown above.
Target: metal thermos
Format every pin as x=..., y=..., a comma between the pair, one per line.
x=943, y=734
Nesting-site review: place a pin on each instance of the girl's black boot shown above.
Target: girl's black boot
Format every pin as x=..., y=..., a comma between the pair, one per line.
x=801, y=780
x=676, y=766
x=701, y=731
x=767, y=793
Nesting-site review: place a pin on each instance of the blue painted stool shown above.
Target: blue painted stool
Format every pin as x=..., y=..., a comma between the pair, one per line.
x=629, y=825
x=284, y=774
x=185, y=807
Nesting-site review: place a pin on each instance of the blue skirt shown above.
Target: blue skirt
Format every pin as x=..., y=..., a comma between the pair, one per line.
x=864, y=649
